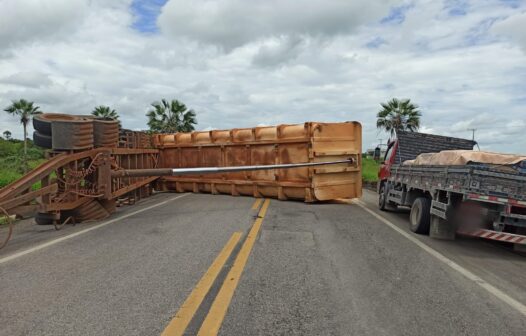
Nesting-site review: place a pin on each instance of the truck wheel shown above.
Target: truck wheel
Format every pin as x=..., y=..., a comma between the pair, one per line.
x=44, y=218
x=382, y=198
x=42, y=122
x=42, y=140
x=420, y=215
x=383, y=204
x=41, y=125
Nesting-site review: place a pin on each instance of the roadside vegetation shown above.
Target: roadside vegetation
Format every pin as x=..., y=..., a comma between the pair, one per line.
x=11, y=159
x=395, y=115
x=369, y=169
x=24, y=110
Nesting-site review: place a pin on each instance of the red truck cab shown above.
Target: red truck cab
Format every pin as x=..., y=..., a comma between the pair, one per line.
x=388, y=160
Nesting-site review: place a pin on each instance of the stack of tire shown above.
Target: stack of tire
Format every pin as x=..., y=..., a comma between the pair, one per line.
x=63, y=131
x=74, y=132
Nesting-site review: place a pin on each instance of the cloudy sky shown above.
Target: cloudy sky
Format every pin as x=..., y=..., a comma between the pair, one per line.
x=242, y=63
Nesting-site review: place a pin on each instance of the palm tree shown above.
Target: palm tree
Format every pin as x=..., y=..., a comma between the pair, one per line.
x=24, y=110
x=7, y=135
x=105, y=112
x=171, y=117
x=398, y=115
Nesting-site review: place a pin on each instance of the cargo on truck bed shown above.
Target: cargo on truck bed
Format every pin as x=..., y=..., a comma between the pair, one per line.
x=464, y=157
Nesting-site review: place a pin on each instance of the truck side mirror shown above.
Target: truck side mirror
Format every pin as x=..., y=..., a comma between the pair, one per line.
x=376, y=155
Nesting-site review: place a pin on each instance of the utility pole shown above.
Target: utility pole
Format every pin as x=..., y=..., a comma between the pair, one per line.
x=472, y=133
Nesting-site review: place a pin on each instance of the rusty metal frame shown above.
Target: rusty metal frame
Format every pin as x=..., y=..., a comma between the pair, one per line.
x=53, y=175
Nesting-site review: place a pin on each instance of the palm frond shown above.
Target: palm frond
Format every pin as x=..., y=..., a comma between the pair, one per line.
x=170, y=116
x=398, y=114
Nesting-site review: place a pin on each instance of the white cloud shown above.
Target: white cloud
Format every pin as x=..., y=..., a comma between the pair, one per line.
x=233, y=23
x=284, y=64
x=31, y=79
x=32, y=20
x=279, y=50
x=513, y=26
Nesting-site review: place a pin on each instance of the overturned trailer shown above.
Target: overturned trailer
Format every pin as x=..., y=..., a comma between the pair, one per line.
x=100, y=167
x=308, y=142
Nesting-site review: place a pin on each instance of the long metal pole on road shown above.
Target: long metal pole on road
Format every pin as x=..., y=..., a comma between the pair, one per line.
x=215, y=170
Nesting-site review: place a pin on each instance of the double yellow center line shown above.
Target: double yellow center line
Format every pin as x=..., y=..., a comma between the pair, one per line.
x=257, y=203
x=217, y=312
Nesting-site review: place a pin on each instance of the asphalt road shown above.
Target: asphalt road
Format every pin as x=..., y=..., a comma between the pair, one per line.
x=297, y=269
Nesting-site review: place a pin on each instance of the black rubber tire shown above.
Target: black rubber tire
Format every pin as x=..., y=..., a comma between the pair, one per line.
x=42, y=125
x=42, y=122
x=382, y=197
x=44, y=218
x=383, y=204
x=42, y=140
x=420, y=216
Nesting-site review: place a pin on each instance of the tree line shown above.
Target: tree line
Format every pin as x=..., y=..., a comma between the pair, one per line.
x=163, y=117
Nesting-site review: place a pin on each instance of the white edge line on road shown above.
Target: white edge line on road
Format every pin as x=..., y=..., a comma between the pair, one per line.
x=468, y=274
x=78, y=233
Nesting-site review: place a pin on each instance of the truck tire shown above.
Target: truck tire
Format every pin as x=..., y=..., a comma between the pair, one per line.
x=420, y=215
x=42, y=140
x=42, y=125
x=383, y=204
x=382, y=197
x=44, y=218
x=42, y=122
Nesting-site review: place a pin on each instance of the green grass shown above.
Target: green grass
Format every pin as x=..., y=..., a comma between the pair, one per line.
x=370, y=169
x=11, y=153
x=8, y=175
x=4, y=220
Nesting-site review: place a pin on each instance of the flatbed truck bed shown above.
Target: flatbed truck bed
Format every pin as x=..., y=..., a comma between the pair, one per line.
x=478, y=200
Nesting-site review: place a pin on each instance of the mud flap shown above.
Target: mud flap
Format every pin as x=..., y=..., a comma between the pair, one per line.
x=520, y=247
x=442, y=229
